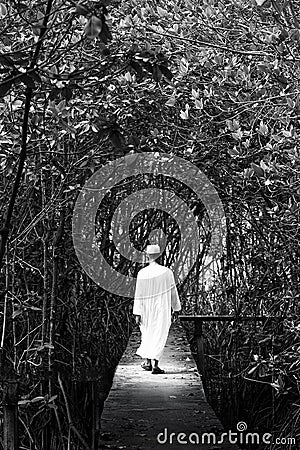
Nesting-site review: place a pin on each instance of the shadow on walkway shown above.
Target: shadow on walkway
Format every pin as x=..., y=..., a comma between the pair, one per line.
x=143, y=410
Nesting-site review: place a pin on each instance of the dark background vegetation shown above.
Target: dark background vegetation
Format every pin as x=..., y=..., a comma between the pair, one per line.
x=215, y=82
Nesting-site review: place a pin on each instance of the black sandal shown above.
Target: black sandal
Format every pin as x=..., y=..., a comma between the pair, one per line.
x=157, y=370
x=146, y=366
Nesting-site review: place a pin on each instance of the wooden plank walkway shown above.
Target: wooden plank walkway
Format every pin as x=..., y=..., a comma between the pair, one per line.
x=142, y=409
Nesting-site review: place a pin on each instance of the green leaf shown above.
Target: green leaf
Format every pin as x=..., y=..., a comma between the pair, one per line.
x=171, y=101
x=36, y=28
x=238, y=134
x=105, y=34
x=81, y=9
x=37, y=399
x=183, y=67
x=263, y=129
x=51, y=399
x=199, y=103
x=166, y=72
x=233, y=152
x=252, y=370
x=260, y=2
x=148, y=66
x=16, y=313
x=134, y=141
x=23, y=402
x=264, y=166
x=137, y=68
x=61, y=106
x=5, y=87
x=6, y=61
x=54, y=93
x=3, y=11
x=185, y=114
x=117, y=139
x=33, y=400
x=290, y=102
x=67, y=93
x=93, y=28
x=257, y=170
x=162, y=12
x=157, y=74
x=263, y=67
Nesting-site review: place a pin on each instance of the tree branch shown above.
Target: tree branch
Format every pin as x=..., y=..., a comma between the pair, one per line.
x=23, y=153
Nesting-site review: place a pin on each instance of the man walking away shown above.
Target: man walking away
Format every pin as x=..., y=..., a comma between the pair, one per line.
x=155, y=296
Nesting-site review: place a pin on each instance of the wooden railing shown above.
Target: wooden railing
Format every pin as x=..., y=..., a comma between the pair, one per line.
x=198, y=332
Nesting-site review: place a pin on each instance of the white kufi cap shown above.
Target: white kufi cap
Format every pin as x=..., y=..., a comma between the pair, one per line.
x=153, y=249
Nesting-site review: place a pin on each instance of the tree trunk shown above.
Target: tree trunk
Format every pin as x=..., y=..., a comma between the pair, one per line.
x=9, y=381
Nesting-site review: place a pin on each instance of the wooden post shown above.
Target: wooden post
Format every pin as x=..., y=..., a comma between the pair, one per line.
x=200, y=348
x=10, y=415
x=9, y=382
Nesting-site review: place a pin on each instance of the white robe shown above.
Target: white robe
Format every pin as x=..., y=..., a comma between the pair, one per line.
x=155, y=295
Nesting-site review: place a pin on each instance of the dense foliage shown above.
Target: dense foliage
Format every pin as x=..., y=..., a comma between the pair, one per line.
x=216, y=82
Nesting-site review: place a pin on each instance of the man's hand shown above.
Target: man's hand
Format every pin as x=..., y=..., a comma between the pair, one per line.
x=138, y=320
x=175, y=316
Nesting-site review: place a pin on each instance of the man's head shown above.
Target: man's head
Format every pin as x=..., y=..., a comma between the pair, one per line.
x=153, y=252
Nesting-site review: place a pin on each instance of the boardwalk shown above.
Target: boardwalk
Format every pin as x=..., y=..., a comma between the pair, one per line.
x=142, y=409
